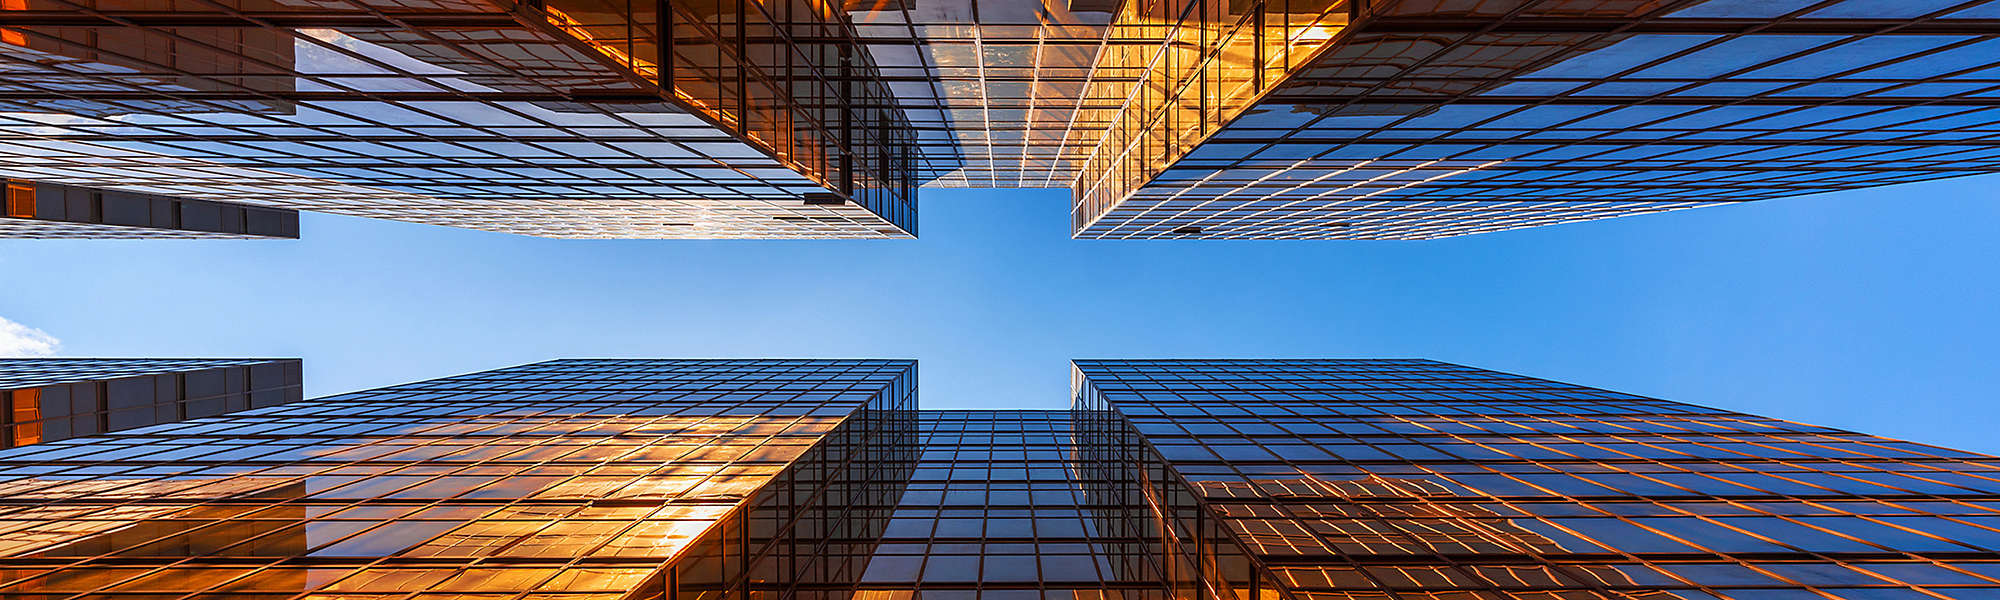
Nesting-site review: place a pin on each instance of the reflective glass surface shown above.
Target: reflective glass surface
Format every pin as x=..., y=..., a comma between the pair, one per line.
x=569, y=479
x=52, y=211
x=996, y=509
x=724, y=479
x=1429, y=118
x=538, y=118
x=995, y=91
x=48, y=399
x=1252, y=119
x=1215, y=57
x=1412, y=478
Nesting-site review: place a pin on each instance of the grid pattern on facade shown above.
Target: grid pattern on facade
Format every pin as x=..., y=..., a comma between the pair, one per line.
x=1410, y=478
x=48, y=399
x=734, y=479
x=789, y=78
x=562, y=480
x=995, y=511
x=995, y=91
x=1273, y=119
x=466, y=113
x=47, y=210
x=1024, y=94
x=1432, y=119
x=1218, y=57
x=63, y=230
x=17, y=373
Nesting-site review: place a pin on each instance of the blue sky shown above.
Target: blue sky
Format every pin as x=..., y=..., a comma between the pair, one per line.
x=1872, y=310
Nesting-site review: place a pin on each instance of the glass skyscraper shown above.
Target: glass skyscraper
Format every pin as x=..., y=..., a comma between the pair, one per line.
x=563, y=480
x=1242, y=119
x=1428, y=118
x=1323, y=479
x=819, y=479
x=49, y=399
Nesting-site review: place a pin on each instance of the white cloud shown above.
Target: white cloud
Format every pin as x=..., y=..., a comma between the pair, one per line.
x=17, y=340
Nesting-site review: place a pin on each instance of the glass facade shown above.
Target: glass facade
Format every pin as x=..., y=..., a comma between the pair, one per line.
x=994, y=89
x=1379, y=479
x=1245, y=119
x=49, y=399
x=1429, y=119
x=1248, y=479
x=565, y=480
x=46, y=210
x=788, y=77
x=1209, y=61
x=997, y=509
x=540, y=118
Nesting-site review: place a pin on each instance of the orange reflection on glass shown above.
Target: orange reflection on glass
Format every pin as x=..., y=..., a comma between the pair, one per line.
x=509, y=498
x=36, y=529
x=20, y=196
x=1212, y=61
x=9, y=36
x=665, y=538
x=605, y=39
x=24, y=407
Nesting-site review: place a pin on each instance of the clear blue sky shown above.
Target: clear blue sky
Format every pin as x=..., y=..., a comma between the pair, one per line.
x=1872, y=310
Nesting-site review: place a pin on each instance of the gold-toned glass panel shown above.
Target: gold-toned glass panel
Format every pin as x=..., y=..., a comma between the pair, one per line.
x=584, y=478
x=1425, y=119
x=1214, y=59
x=1391, y=478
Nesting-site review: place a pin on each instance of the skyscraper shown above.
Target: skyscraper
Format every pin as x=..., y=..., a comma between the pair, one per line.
x=1425, y=118
x=1264, y=479
x=570, y=479
x=1413, y=478
x=51, y=399
x=47, y=210
x=998, y=509
x=1245, y=119
x=567, y=118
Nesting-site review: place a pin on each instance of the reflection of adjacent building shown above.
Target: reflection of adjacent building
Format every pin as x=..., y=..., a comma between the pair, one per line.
x=1216, y=59
x=264, y=526
x=1422, y=119
x=57, y=69
x=1322, y=479
x=544, y=120
x=1309, y=531
x=809, y=528
x=50, y=399
x=81, y=520
x=595, y=478
x=728, y=479
x=1302, y=119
